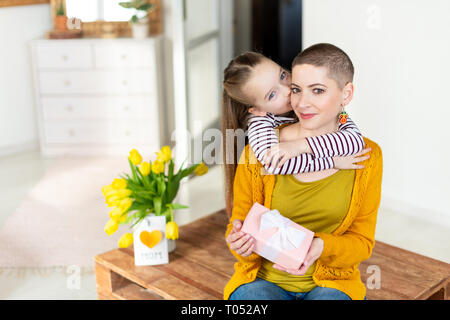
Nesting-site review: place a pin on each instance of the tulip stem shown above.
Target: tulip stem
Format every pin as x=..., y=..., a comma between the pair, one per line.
x=133, y=171
x=146, y=182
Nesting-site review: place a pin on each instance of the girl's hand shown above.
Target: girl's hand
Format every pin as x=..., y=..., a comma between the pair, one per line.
x=279, y=153
x=314, y=252
x=349, y=162
x=240, y=242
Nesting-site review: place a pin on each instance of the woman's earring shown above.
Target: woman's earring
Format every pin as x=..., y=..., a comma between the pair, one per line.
x=343, y=116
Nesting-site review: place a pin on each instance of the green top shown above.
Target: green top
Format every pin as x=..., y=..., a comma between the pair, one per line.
x=319, y=206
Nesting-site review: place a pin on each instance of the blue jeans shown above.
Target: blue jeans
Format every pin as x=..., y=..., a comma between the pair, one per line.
x=261, y=289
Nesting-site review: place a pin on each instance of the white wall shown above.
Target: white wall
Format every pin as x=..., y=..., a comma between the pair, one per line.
x=401, y=53
x=19, y=25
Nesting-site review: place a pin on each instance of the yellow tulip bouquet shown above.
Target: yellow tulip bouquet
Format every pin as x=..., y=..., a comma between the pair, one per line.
x=151, y=188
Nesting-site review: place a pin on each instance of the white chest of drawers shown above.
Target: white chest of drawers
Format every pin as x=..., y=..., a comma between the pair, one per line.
x=97, y=96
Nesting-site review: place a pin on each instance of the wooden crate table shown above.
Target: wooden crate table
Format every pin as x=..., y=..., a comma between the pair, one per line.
x=201, y=265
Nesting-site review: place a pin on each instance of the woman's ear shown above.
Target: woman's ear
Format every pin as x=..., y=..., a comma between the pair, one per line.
x=347, y=93
x=257, y=112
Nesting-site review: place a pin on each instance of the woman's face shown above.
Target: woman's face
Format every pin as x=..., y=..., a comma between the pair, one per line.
x=316, y=98
x=269, y=89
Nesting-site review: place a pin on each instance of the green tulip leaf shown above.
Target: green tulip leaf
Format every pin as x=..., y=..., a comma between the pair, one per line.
x=133, y=171
x=177, y=206
x=145, y=7
x=190, y=170
x=134, y=19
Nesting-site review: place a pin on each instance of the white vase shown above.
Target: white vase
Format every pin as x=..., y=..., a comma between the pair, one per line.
x=171, y=245
x=140, y=30
x=150, y=250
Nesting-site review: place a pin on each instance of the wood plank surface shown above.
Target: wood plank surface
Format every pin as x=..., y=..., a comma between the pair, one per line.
x=123, y=264
x=132, y=291
x=207, y=230
x=154, y=278
x=399, y=276
x=220, y=218
x=221, y=261
x=103, y=280
x=202, y=264
x=102, y=296
x=439, y=268
x=192, y=273
x=404, y=274
x=447, y=290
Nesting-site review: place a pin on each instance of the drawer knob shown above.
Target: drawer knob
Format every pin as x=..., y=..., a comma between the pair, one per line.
x=123, y=56
x=65, y=57
x=69, y=108
x=128, y=133
x=67, y=83
x=71, y=132
x=126, y=108
x=124, y=82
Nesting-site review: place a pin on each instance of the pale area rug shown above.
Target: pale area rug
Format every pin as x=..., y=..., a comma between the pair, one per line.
x=61, y=220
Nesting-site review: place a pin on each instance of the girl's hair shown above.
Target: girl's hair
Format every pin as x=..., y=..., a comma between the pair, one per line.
x=234, y=113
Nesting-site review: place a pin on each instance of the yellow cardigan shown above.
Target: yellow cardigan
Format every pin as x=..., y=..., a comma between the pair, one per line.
x=344, y=249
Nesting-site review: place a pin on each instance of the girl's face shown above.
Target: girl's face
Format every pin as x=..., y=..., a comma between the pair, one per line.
x=316, y=98
x=269, y=89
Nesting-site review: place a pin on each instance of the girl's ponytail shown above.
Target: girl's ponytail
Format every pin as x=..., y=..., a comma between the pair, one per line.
x=234, y=115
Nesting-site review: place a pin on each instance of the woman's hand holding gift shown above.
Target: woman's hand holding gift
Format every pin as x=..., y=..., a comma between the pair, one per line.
x=314, y=252
x=240, y=242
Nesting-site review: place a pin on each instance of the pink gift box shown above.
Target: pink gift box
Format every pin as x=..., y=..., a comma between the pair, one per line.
x=277, y=238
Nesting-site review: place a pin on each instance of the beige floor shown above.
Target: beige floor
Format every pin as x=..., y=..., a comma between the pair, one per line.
x=19, y=173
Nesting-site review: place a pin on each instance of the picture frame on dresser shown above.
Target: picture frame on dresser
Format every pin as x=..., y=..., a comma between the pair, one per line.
x=12, y=3
x=100, y=27
x=98, y=96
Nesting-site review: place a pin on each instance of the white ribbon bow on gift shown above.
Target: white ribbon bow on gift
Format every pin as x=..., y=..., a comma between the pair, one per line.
x=286, y=237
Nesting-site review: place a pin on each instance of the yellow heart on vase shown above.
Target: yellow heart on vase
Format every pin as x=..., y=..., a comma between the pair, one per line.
x=150, y=239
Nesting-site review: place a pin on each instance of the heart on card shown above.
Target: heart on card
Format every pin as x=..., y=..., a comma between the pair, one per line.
x=150, y=239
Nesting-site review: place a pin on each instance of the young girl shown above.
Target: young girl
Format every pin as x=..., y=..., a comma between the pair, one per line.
x=339, y=206
x=256, y=97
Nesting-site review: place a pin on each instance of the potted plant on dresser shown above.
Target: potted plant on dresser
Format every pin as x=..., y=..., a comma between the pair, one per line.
x=145, y=200
x=139, y=21
x=60, y=18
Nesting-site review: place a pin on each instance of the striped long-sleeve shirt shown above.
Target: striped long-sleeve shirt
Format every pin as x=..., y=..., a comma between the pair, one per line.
x=261, y=136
